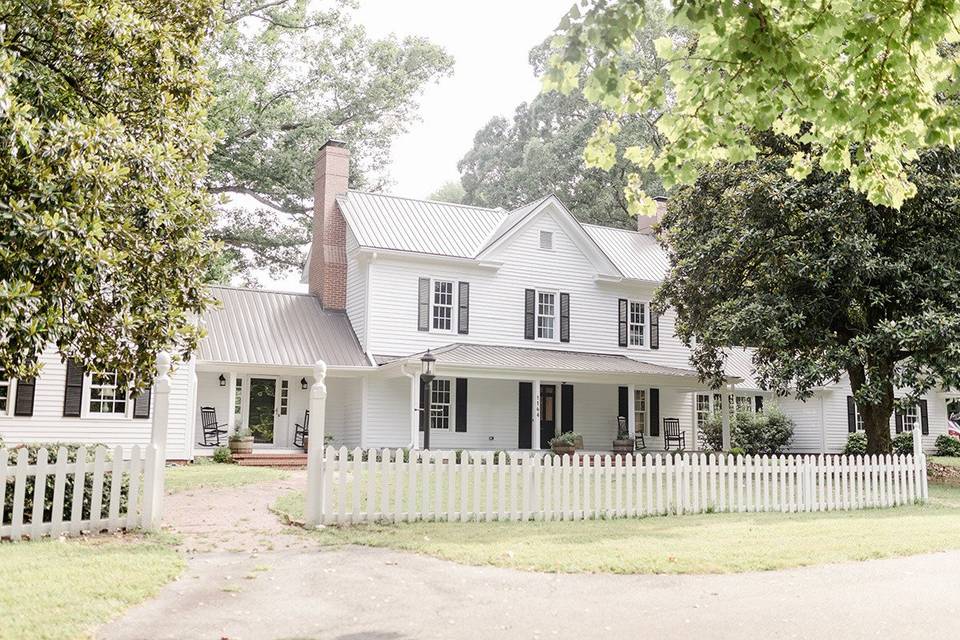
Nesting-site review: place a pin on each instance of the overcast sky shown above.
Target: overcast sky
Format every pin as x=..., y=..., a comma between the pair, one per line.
x=489, y=41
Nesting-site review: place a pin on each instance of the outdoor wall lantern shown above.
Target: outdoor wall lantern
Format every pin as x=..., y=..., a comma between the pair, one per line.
x=223, y=381
x=427, y=363
x=303, y=383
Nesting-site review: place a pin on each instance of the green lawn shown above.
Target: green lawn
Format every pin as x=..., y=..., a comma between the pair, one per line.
x=64, y=589
x=709, y=543
x=209, y=475
x=949, y=461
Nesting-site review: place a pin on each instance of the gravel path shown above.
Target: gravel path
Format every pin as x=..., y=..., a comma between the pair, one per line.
x=248, y=577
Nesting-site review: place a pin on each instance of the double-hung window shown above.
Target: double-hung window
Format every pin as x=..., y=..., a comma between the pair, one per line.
x=441, y=311
x=745, y=403
x=440, y=402
x=636, y=323
x=640, y=410
x=911, y=418
x=704, y=409
x=546, y=315
x=107, y=394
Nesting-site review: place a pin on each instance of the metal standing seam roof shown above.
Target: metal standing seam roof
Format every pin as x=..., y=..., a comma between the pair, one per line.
x=494, y=356
x=253, y=326
x=637, y=255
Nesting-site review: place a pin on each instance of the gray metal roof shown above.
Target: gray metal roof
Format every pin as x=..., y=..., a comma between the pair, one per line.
x=439, y=228
x=637, y=255
x=499, y=357
x=277, y=328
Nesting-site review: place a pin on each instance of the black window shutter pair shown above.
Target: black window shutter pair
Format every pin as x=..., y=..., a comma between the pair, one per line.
x=423, y=306
x=529, y=314
x=73, y=395
x=622, y=314
x=924, y=419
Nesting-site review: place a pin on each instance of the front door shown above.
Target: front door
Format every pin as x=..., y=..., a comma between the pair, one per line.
x=548, y=414
x=262, y=409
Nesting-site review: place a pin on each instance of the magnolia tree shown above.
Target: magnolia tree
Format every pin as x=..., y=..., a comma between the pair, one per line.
x=103, y=215
x=819, y=281
x=863, y=80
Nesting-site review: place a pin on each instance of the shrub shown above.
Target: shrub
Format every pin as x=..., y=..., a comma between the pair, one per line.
x=856, y=444
x=72, y=451
x=903, y=443
x=240, y=434
x=947, y=446
x=737, y=451
x=566, y=439
x=222, y=455
x=766, y=433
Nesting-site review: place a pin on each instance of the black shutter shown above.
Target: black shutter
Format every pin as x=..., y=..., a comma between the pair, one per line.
x=73, y=394
x=758, y=403
x=463, y=317
x=141, y=404
x=424, y=390
x=564, y=317
x=23, y=404
x=654, y=402
x=566, y=408
x=529, y=318
x=423, y=305
x=851, y=415
x=461, y=400
x=525, y=419
x=898, y=421
x=623, y=402
x=924, y=418
x=654, y=329
x=622, y=322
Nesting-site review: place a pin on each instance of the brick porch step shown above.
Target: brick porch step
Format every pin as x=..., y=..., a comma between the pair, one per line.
x=280, y=460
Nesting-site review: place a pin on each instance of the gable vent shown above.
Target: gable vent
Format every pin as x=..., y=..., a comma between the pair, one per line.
x=546, y=240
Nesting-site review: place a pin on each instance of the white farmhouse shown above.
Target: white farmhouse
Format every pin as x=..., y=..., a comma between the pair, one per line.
x=539, y=324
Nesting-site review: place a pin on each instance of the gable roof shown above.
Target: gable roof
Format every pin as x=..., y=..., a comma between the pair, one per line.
x=253, y=326
x=637, y=255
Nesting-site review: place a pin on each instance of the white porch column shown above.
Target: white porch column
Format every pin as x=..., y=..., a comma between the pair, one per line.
x=315, y=449
x=231, y=403
x=725, y=416
x=535, y=427
x=631, y=410
x=153, y=473
x=414, y=411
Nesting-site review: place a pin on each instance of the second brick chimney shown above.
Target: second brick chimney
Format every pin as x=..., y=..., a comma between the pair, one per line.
x=328, y=252
x=645, y=223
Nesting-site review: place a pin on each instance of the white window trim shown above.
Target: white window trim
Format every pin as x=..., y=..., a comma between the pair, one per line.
x=85, y=412
x=454, y=305
x=11, y=384
x=917, y=420
x=644, y=326
x=556, y=315
x=451, y=415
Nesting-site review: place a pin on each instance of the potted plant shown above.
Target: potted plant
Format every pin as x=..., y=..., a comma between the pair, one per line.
x=566, y=443
x=623, y=444
x=241, y=442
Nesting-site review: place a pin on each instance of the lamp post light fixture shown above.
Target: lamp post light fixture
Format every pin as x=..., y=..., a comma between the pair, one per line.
x=427, y=376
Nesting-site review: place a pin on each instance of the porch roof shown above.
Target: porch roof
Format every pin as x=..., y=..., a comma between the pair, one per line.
x=479, y=356
x=259, y=327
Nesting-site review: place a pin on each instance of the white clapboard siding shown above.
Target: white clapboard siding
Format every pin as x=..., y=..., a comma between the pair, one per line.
x=98, y=482
x=444, y=486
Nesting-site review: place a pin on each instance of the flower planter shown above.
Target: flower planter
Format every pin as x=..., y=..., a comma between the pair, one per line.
x=563, y=449
x=241, y=446
x=623, y=446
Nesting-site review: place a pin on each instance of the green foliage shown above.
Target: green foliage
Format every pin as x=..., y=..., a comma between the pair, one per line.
x=286, y=79
x=222, y=455
x=451, y=191
x=240, y=434
x=50, y=483
x=902, y=444
x=818, y=281
x=856, y=444
x=837, y=73
x=765, y=433
x=947, y=446
x=566, y=439
x=102, y=213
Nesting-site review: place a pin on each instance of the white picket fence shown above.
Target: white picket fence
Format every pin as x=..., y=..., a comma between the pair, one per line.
x=99, y=487
x=398, y=486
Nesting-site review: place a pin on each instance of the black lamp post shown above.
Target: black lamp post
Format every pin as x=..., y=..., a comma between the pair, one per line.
x=427, y=363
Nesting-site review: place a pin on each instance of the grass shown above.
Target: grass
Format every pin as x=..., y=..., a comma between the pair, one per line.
x=949, y=461
x=709, y=543
x=210, y=475
x=56, y=589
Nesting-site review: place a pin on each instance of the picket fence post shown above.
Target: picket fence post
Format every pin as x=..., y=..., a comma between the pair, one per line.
x=153, y=481
x=316, y=494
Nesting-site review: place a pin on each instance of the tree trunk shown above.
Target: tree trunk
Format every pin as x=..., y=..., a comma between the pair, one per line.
x=876, y=412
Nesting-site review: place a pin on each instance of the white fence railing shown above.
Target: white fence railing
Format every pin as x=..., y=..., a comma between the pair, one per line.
x=400, y=486
x=92, y=491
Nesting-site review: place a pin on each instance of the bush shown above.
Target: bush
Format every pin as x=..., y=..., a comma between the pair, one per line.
x=72, y=450
x=856, y=444
x=766, y=433
x=947, y=446
x=222, y=455
x=903, y=444
x=566, y=439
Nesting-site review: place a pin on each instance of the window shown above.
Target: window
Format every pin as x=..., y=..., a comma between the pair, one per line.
x=284, y=396
x=859, y=418
x=440, y=404
x=636, y=323
x=107, y=395
x=546, y=315
x=442, y=309
x=546, y=240
x=704, y=409
x=640, y=410
x=745, y=403
x=911, y=419
x=5, y=395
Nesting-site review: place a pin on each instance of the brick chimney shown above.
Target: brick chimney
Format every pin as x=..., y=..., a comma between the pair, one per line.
x=645, y=223
x=328, y=251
